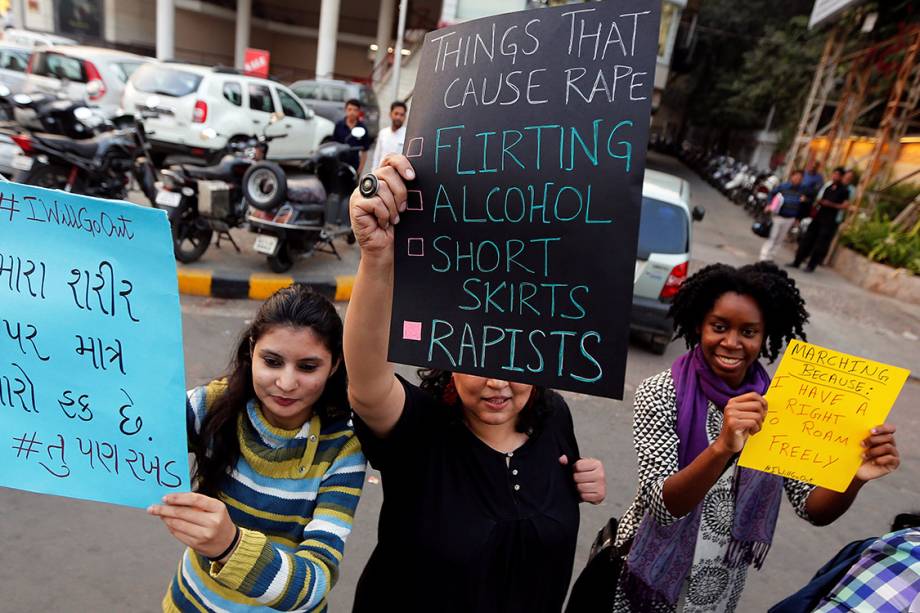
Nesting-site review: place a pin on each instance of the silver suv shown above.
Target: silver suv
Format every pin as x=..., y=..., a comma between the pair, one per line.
x=663, y=255
x=328, y=98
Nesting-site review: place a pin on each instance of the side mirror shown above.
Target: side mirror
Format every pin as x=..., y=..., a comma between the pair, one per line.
x=358, y=132
x=698, y=213
x=4, y=90
x=310, y=112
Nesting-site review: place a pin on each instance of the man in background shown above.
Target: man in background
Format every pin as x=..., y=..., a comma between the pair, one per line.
x=817, y=240
x=344, y=133
x=390, y=140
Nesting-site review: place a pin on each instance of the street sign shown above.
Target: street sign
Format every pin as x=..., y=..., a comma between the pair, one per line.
x=826, y=10
x=255, y=62
x=516, y=256
x=92, y=382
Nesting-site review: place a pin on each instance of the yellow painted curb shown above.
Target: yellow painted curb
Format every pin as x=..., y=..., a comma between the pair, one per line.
x=343, y=287
x=195, y=282
x=263, y=286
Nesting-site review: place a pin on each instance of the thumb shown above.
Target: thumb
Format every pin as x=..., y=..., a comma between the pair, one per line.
x=564, y=460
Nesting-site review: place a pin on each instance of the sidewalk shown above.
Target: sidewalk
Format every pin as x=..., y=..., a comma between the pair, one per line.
x=223, y=272
x=852, y=319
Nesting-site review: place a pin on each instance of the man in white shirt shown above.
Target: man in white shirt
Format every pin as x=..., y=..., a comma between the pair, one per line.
x=390, y=140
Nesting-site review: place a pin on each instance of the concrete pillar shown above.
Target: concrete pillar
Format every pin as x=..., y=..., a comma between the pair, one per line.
x=166, y=29
x=384, y=27
x=18, y=8
x=243, y=20
x=110, y=34
x=328, y=31
x=397, y=51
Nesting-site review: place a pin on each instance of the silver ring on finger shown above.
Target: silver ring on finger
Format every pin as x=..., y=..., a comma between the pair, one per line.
x=368, y=185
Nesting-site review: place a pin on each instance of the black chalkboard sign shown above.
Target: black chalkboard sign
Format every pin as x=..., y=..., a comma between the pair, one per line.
x=517, y=254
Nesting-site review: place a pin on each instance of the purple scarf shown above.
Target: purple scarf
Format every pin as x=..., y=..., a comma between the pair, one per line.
x=661, y=556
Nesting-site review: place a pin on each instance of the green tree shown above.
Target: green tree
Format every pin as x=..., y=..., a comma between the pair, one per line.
x=776, y=73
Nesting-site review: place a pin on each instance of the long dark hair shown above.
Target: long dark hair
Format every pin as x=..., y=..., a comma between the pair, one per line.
x=530, y=419
x=216, y=447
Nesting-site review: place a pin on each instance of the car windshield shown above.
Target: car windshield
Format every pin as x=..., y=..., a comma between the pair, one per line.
x=166, y=81
x=664, y=228
x=49, y=64
x=124, y=70
x=367, y=97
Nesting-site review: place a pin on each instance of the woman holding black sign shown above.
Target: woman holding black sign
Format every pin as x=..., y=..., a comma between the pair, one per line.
x=278, y=468
x=699, y=520
x=481, y=476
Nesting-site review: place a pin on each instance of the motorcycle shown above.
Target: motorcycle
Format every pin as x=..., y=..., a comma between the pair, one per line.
x=201, y=200
x=100, y=165
x=306, y=210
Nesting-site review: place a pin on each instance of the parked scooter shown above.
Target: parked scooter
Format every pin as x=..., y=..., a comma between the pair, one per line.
x=201, y=200
x=306, y=211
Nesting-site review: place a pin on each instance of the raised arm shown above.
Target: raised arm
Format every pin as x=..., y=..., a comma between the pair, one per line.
x=373, y=390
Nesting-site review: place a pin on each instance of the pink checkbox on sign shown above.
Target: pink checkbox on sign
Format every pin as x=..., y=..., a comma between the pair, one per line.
x=412, y=330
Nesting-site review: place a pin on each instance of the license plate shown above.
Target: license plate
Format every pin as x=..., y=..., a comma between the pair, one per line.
x=266, y=244
x=22, y=162
x=171, y=199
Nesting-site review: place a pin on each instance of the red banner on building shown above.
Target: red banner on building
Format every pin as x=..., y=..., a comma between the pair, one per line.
x=255, y=62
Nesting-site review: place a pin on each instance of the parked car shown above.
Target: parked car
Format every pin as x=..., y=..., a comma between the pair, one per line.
x=25, y=38
x=95, y=74
x=327, y=99
x=663, y=254
x=14, y=60
x=202, y=109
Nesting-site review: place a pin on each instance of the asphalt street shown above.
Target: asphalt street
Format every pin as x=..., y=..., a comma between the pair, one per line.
x=59, y=554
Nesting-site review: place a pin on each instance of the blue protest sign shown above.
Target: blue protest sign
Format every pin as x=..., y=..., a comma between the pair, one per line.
x=92, y=383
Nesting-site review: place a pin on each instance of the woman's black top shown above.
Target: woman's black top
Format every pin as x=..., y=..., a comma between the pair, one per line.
x=466, y=528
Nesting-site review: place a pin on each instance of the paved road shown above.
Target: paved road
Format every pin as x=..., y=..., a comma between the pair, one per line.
x=64, y=555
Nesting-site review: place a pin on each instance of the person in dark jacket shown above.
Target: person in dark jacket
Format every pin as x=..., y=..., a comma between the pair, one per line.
x=344, y=132
x=817, y=240
x=794, y=201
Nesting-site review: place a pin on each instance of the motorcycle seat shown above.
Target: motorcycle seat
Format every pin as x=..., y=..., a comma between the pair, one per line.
x=84, y=148
x=221, y=171
x=307, y=189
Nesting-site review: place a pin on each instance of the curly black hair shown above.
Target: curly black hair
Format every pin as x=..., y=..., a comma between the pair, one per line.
x=530, y=419
x=771, y=288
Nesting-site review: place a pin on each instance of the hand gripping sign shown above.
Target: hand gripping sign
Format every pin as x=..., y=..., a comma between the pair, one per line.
x=515, y=258
x=820, y=406
x=92, y=401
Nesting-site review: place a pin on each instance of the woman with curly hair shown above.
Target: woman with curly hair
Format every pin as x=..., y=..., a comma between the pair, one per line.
x=480, y=501
x=278, y=468
x=698, y=520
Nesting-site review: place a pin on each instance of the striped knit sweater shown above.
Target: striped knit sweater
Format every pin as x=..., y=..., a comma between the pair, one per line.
x=293, y=493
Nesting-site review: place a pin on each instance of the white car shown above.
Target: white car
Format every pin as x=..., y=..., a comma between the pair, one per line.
x=25, y=38
x=14, y=61
x=201, y=109
x=94, y=74
x=663, y=254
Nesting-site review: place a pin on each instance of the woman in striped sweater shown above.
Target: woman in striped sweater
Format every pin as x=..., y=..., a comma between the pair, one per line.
x=278, y=468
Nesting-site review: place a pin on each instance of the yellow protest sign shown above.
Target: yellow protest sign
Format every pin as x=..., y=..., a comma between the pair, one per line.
x=821, y=405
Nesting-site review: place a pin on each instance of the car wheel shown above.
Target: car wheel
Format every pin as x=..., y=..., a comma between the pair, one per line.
x=659, y=344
